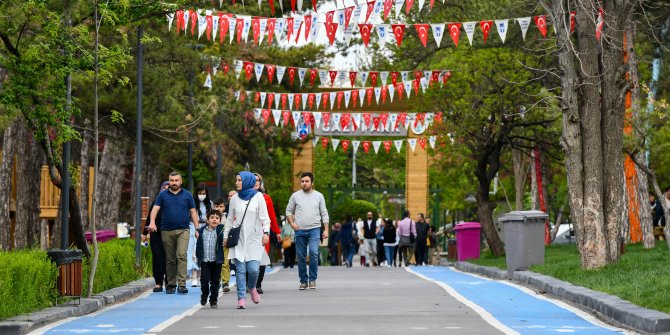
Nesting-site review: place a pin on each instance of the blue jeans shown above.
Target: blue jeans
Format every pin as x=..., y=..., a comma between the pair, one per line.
x=388, y=250
x=303, y=240
x=242, y=270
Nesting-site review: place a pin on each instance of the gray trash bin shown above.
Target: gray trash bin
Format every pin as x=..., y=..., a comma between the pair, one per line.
x=524, y=239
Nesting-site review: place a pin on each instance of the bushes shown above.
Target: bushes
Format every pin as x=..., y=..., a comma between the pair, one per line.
x=27, y=280
x=357, y=208
x=28, y=277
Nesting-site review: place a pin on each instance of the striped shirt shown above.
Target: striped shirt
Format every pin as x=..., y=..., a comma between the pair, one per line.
x=209, y=245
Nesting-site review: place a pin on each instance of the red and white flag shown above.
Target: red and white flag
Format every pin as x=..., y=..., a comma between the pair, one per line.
x=486, y=28
x=365, y=29
x=352, y=78
x=422, y=31
x=398, y=32
x=599, y=24
x=541, y=23
x=454, y=31
x=331, y=29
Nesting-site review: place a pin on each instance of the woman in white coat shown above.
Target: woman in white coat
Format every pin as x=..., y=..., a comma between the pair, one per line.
x=254, y=234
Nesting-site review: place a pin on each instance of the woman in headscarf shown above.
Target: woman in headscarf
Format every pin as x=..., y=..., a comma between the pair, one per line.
x=156, y=243
x=274, y=227
x=248, y=209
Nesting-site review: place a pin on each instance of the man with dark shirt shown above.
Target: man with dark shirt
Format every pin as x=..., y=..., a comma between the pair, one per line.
x=177, y=211
x=422, y=228
x=370, y=239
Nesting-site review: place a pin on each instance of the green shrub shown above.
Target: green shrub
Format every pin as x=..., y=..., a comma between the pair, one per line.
x=27, y=280
x=116, y=265
x=357, y=208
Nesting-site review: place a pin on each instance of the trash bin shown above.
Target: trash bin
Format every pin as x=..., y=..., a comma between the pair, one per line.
x=69, y=262
x=524, y=239
x=468, y=240
x=451, y=250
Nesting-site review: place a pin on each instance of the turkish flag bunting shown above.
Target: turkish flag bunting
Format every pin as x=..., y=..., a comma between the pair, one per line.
x=394, y=77
x=352, y=77
x=345, y=145
x=310, y=100
x=257, y=97
x=438, y=117
x=365, y=29
x=422, y=31
x=291, y=75
x=193, y=17
x=271, y=29
x=209, y=27
x=572, y=21
x=225, y=68
x=271, y=98
x=541, y=23
x=354, y=97
x=272, y=7
x=347, y=16
x=248, y=69
x=326, y=118
x=398, y=32
x=400, y=88
x=454, y=31
x=445, y=78
x=599, y=24
x=331, y=29
x=340, y=96
x=324, y=101
x=434, y=77
x=314, y=4
x=366, y=146
x=387, y=8
x=180, y=20
x=422, y=142
x=418, y=74
x=345, y=120
x=416, y=86
x=371, y=7
x=408, y=5
x=239, y=25
x=293, y=5
x=366, y=120
x=368, y=94
x=432, y=3
x=284, y=98
x=333, y=75
x=289, y=28
x=297, y=98
x=256, y=27
x=308, y=25
x=312, y=76
x=387, y=146
x=486, y=27
x=384, y=118
x=271, y=72
x=324, y=142
x=373, y=78
x=329, y=17
x=383, y=94
x=287, y=117
x=307, y=116
x=223, y=26
x=266, y=116
x=375, y=122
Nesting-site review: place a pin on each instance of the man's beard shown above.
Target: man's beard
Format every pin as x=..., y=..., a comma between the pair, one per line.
x=174, y=187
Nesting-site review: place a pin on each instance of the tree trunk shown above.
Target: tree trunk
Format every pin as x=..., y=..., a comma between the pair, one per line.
x=111, y=176
x=534, y=193
x=488, y=164
x=6, y=166
x=28, y=167
x=519, y=177
x=84, y=174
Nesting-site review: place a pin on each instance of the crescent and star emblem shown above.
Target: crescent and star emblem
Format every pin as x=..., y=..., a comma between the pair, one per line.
x=454, y=30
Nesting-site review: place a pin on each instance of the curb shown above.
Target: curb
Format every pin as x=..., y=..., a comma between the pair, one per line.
x=601, y=304
x=25, y=323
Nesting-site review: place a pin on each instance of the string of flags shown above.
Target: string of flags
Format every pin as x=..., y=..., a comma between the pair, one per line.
x=366, y=145
x=329, y=77
x=341, y=98
x=300, y=29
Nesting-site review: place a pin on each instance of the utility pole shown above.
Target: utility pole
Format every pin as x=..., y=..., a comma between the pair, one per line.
x=138, y=149
x=65, y=173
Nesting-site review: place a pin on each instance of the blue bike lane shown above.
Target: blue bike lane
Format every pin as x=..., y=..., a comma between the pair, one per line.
x=514, y=309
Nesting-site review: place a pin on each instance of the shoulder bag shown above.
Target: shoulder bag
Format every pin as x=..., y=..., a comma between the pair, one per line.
x=234, y=233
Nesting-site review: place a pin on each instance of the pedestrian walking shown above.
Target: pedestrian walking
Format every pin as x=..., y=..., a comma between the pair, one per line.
x=347, y=240
x=209, y=254
x=248, y=211
x=287, y=232
x=178, y=211
x=390, y=242
x=306, y=212
x=407, y=232
x=370, y=230
x=220, y=206
x=156, y=245
x=421, y=245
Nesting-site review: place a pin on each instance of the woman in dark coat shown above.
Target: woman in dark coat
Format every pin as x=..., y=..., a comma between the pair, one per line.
x=156, y=243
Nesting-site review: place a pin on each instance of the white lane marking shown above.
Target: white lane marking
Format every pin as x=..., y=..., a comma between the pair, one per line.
x=245, y=326
x=418, y=328
x=479, y=310
x=452, y=327
x=105, y=326
x=211, y=327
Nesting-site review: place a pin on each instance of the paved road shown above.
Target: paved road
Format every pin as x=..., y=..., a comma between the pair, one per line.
x=417, y=300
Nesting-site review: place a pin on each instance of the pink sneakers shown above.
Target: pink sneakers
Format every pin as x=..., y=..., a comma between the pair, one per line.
x=241, y=303
x=255, y=297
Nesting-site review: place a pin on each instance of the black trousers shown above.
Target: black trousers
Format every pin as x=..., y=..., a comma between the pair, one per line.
x=289, y=256
x=381, y=254
x=261, y=274
x=420, y=250
x=157, y=258
x=210, y=280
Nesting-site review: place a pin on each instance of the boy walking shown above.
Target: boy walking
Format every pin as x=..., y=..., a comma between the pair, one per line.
x=220, y=206
x=209, y=252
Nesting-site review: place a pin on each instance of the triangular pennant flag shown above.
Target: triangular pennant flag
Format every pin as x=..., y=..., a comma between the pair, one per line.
x=304, y=100
x=370, y=9
x=271, y=72
x=366, y=146
x=239, y=65
x=469, y=30
x=541, y=23
x=398, y=145
x=355, y=144
x=318, y=100
x=421, y=2
x=408, y=88
x=296, y=118
x=357, y=120
x=383, y=91
x=307, y=117
x=271, y=98
x=366, y=120
x=340, y=97
x=342, y=77
x=330, y=16
x=454, y=32
x=412, y=143
x=308, y=26
x=301, y=74
x=432, y=140
x=315, y=140
x=404, y=75
x=361, y=95
x=382, y=30
x=256, y=29
x=398, y=7
x=291, y=75
x=438, y=32
x=284, y=100
x=354, y=97
x=391, y=89
x=347, y=96
x=375, y=145
x=257, y=114
x=290, y=24
x=387, y=8
x=524, y=23
x=335, y=143
x=394, y=77
x=345, y=145
x=364, y=29
x=387, y=146
x=393, y=121
x=347, y=15
x=248, y=69
x=364, y=77
x=208, y=81
x=324, y=142
x=332, y=97
x=368, y=95
x=373, y=77
x=345, y=120
x=324, y=99
x=573, y=15
x=258, y=69
x=422, y=142
x=317, y=118
x=398, y=32
x=408, y=6
x=486, y=28
x=247, y=27
x=280, y=73
x=202, y=24
x=378, y=92
x=290, y=97
x=276, y=115
x=332, y=75
x=224, y=25
x=271, y=29
x=266, y=116
x=384, y=75
x=352, y=78
x=331, y=29
x=264, y=27
x=501, y=25
x=286, y=116
x=170, y=17
x=422, y=31
x=599, y=24
x=263, y=97
x=312, y=76
x=209, y=22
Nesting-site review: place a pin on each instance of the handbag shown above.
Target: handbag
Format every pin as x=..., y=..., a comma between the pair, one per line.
x=286, y=242
x=234, y=233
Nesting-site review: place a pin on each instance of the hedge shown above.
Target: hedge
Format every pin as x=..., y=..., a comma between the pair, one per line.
x=357, y=208
x=28, y=277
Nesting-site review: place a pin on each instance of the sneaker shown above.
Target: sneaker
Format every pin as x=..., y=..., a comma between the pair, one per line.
x=241, y=303
x=254, y=296
x=303, y=286
x=312, y=285
x=170, y=290
x=203, y=301
x=232, y=272
x=194, y=283
x=182, y=290
x=226, y=288
x=259, y=290
x=213, y=305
